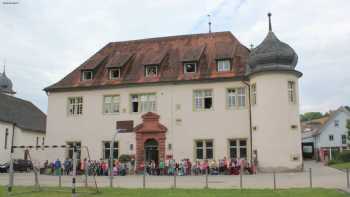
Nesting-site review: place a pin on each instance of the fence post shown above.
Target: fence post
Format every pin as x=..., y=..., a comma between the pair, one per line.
x=59, y=179
x=74, y=194
x=206, y=179
x=86, y=173
x=144, y=179
x=274, y=180
x=175, y=179
x=240, y=179
x=310, y=177
x=347, y=178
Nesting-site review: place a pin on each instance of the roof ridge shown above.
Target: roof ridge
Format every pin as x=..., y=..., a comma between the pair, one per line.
x=164, y=38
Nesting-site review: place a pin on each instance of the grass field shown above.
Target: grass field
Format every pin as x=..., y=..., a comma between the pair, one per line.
x=341, y=166
x=27, y=192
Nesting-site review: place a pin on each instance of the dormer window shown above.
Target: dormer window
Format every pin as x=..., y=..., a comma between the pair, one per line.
x=151, y=71
x=114, y=73
x=87, y=75
x=190, y=67
x=223, y=65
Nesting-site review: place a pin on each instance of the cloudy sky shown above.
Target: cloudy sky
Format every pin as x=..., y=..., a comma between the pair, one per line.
x=44, y=40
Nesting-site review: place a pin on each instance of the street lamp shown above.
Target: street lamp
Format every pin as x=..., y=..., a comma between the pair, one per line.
x=111, y=156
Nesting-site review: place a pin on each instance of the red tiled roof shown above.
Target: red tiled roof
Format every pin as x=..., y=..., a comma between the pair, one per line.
x=168, y=52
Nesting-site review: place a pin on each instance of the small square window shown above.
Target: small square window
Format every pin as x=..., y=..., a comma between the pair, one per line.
x=190, y=67
x=336, y=123
x=114, y=73
x=87, y=75
x=331, y=137
x=223, y=65
x=151, y=71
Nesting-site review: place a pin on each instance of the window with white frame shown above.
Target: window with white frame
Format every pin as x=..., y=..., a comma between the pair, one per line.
x=291, y=92
x=253, y=92
x=190, y=67
x=223, y=65
x=331, y=137
x=107, y=149
x=114, y=73
x=204, y=149
x=143, y=102
x=75, y=106
x=203, y=99
x=87, y=75
x=151, y=70
x=336, y=123
x=238, y=148
x=111, y=104
x=343, y=139
x=236, y=97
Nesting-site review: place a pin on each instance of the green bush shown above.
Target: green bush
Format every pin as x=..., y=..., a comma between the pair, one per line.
x=332, y=162
x=343, y=156
x=124, y=158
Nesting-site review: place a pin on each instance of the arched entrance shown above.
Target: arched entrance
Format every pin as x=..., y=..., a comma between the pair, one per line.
x=151, y=150
x=150, y=140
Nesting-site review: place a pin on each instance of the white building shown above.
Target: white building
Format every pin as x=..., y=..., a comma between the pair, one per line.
x=21, y=124
x=201, y=96
x=325, y=139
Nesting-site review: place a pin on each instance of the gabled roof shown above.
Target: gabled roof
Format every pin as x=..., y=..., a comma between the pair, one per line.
x=169, y=52
x=23, y=113
x=320, y=125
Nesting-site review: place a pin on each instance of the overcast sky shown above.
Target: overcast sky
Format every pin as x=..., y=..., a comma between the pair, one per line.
x=42, y=40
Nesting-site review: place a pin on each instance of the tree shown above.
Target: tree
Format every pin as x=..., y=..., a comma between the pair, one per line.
x=310, y=116
x=348, y=127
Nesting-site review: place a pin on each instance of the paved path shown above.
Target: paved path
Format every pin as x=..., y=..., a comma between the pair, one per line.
x=323, y=176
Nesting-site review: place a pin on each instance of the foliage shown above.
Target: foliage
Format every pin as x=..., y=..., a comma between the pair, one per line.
x=340, y=166
x=348, y=127
x=124, y=158
x=310, y=116
x=343, y=156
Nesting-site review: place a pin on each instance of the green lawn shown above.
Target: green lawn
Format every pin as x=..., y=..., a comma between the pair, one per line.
x=341, y=166
x=27, y=192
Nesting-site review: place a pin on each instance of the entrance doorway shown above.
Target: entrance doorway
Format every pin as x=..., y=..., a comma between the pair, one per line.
x=151, y=150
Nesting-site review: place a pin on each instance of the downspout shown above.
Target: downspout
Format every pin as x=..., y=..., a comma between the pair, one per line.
x=250, y=123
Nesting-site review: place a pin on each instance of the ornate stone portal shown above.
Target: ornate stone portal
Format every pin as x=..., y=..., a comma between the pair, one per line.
x=149, y=129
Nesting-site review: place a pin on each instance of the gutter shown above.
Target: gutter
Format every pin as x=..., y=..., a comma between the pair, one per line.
x=250, y=123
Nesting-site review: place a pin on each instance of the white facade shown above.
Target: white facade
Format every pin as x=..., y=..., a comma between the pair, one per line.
x=273, y=116
x=275, y=119
x=331, y=134
x=21, y=138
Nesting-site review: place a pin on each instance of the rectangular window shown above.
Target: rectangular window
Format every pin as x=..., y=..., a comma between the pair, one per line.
x=291, y=92
x=236, y=97
x=111, y=104
x=253, y=98
x=107, y=149
x=223, y=65
x=336, y=123
x=37, y=143
x=87, y=75
x=114, y=73
x=70, y=150
x=190, y=67
x=6, y=137
x=151, y=71
x=331, y=137
x=203, y=99
x=143, y=103
x=343, y=139
x=204, y=149
x=238, y=148
x=75, y=106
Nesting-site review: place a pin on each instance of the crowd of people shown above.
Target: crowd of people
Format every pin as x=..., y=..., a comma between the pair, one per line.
x=183, y=167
